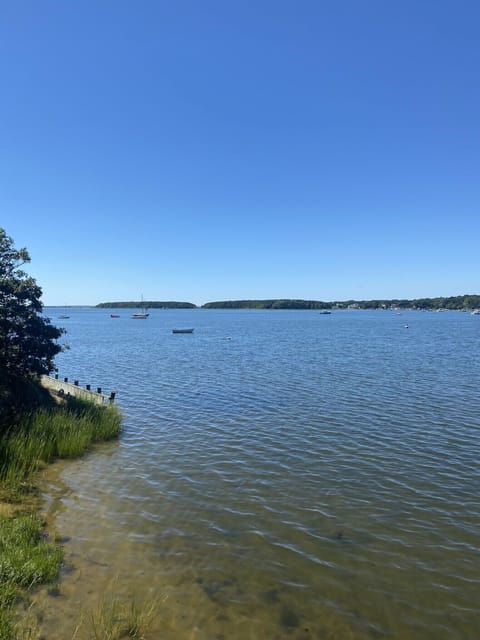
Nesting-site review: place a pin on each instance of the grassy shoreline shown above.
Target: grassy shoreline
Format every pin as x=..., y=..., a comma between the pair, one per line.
x=28, y=555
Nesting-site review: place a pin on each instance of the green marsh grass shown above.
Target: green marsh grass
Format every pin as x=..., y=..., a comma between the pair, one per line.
x=116, y=619
x=66, y=431
x=27, y=557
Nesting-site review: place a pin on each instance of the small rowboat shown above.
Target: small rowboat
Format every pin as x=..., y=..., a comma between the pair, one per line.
x=182, y=330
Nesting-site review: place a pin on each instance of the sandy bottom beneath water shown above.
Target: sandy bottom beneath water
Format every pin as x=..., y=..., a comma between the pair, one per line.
x=189, y=602
x=221, y=589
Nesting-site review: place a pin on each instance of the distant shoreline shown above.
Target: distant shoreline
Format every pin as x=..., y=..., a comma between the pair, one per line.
x=452, y=303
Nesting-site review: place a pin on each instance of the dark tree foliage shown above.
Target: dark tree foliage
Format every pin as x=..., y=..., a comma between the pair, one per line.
x=27, y=339
x=150, y=304
x=268, y=304
x=463, y=303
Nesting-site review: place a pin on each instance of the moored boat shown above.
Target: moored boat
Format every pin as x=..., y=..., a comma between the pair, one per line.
x=182, y=330
x=141, y=315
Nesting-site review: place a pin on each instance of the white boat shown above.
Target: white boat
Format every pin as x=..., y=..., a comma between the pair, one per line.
x=141, y=315
x=64, y=315
x=476, y=312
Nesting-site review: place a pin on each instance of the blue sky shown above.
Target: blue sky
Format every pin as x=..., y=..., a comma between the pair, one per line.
x=204, y=151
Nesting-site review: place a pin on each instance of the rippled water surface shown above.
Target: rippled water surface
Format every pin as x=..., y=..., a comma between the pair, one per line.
x=281, y=474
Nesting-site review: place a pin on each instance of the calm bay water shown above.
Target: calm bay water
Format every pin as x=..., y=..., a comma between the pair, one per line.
x=281, y=474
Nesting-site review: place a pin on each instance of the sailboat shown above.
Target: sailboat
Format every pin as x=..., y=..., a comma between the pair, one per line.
x=64, y=315
x=143, y=315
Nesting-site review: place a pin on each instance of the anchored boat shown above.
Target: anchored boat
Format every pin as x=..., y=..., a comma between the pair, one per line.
x=141, y=315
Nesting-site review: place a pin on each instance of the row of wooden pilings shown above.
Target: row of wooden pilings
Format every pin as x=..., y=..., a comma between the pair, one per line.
x=88, y=387
x=64, y=387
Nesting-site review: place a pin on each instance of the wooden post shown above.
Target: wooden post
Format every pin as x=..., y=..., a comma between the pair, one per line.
x=87, y=387
x=75, y=382
x=65, y=379
x=99, y=390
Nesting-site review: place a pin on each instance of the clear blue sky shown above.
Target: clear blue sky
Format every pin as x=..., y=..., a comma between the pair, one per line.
x=207, y=150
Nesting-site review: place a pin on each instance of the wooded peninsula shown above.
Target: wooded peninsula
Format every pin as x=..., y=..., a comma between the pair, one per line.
x=454, y=303
x=150, y=304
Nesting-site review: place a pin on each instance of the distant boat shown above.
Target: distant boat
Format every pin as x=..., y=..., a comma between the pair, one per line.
x=325, y=313
x=182, y=330
x=141, y=315
x=476, y=312
x=114, y=315
x=64, y=317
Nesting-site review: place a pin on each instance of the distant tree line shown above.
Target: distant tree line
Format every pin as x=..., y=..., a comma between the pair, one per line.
x=268, y=304
x=455, y=303
x=151, y=304
x=466, y=302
